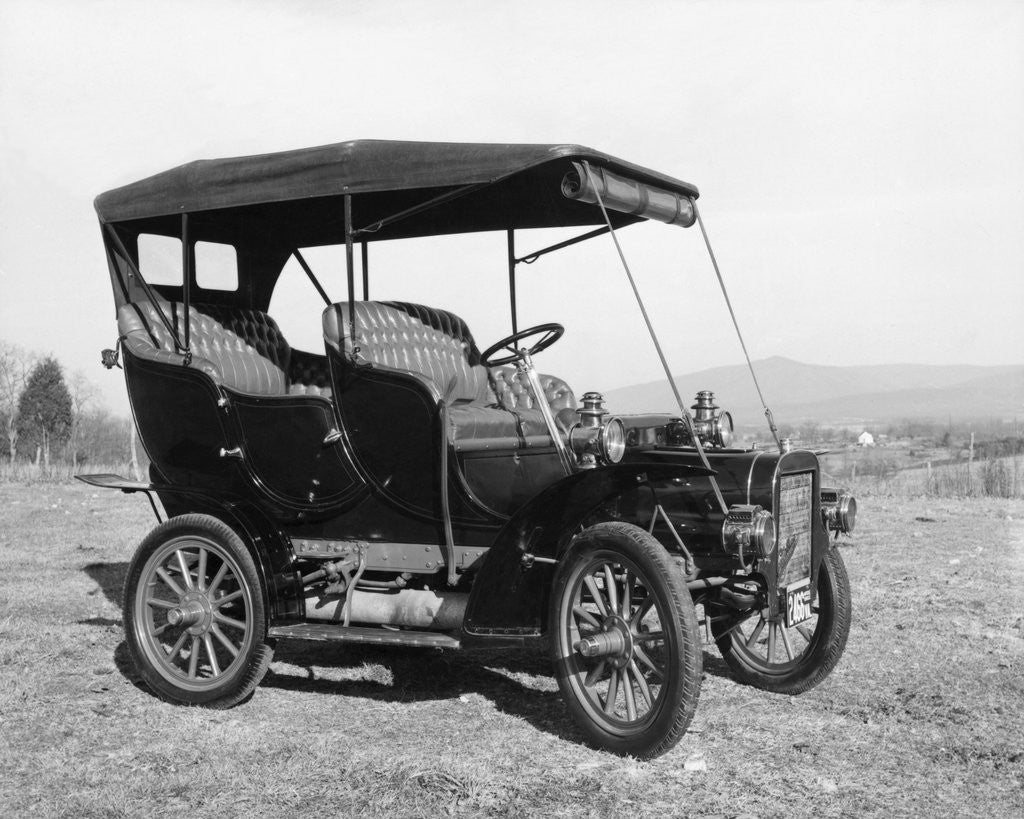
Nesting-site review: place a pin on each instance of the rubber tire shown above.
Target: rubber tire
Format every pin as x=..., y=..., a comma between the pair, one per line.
x=835, y=609
x=255, y=660
x=678, y=700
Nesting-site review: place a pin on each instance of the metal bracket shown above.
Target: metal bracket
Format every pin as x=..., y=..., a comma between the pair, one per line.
x=659, y=510
x=529, y=559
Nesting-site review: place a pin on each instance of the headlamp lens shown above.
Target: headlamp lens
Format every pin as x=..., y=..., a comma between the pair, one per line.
x=613, y=441
x=723, y=429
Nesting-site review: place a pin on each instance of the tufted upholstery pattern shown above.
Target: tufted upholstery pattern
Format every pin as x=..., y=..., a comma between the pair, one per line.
x=514, y=393
x=242, y=349
x=439, y=345
x=424, y=340
x=308, y=374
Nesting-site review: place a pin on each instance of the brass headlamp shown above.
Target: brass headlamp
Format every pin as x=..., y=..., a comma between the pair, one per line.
x=748, y=533
x=594, y=439
x=712, y=427
x=838, y=510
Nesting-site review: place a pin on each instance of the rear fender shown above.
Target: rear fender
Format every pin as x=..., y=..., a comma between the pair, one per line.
x=510, y=594
x=270, y=547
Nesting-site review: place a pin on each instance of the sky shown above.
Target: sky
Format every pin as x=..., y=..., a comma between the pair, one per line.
x=861, y=164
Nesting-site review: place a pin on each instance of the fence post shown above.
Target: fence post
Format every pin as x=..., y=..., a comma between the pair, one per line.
x=970, y=468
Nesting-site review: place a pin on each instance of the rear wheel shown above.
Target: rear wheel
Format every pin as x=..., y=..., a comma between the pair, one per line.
x=766, y=654
x=194, y=614
x=624, y=641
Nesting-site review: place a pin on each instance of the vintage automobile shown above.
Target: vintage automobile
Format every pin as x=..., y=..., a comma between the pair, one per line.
x=399, y=487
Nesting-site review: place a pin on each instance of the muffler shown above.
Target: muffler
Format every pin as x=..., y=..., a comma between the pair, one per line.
x=411, y=608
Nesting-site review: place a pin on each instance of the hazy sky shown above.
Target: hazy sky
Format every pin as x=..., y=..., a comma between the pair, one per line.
x=861, y=165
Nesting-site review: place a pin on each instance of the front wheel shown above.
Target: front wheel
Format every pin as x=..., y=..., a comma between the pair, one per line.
x=624, y=641
x=767, y=654
x=194, y=614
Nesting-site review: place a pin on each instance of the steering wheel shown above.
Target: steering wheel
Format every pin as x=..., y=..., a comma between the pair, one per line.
x=552, y=332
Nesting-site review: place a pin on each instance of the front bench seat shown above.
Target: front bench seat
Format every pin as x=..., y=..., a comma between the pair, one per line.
x=486, y=410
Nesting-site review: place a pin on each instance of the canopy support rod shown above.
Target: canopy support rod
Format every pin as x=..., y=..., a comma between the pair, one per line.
x=365, y=248
x=350, y=272
x=530, y=258
x=309, y=273
x=684, y=414
x=512, y=277
x=186, y=275
x=721, y=283
x=123, y=253
x=415, y=209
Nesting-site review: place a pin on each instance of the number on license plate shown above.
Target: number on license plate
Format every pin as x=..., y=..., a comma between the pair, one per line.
x=798, y=602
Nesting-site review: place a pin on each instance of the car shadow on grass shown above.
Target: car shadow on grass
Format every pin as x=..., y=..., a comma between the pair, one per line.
x=516, y=681
x=715, y=666
x=415, y=674
x=110, y=578
x=519, y=681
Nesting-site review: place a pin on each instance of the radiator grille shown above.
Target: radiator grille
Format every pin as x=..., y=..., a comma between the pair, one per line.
x=794, y=525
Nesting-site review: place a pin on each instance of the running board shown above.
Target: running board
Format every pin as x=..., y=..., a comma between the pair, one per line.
x=363, y=634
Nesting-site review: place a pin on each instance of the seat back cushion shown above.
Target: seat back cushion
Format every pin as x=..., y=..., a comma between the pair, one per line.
x=308, y=374
x=513, y=391
x=431, y=342
x=239, y=348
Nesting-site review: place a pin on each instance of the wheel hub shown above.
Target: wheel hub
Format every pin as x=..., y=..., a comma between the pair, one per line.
x=614, y=641
x=193, y=613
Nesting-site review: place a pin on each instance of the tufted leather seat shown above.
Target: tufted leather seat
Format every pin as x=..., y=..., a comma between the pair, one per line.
x=239, y=348
x=485, y=408
x=513, y=392
x=412, y=337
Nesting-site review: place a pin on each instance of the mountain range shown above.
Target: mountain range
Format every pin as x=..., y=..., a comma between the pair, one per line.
x=851, y=396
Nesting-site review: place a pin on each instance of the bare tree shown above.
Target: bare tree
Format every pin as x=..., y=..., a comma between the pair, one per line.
x=103, y=438
x=15, y=366
x=83, y=393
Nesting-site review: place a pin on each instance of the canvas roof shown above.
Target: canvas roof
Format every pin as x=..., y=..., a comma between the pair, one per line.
x=384, y=177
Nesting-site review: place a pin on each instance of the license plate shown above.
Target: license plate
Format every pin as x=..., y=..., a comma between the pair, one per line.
x=798, y=602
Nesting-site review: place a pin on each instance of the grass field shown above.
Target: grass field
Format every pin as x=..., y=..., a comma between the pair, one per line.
x=922, y=717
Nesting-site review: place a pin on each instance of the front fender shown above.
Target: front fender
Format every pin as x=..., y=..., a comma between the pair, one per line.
x=509, y=598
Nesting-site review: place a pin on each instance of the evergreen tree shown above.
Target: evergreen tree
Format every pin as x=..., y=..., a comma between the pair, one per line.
x=44, y=409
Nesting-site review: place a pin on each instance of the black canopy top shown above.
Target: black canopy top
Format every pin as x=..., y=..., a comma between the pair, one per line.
x=269, y=206
x=519, y=187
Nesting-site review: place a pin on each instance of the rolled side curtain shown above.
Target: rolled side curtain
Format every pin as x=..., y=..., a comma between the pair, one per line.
x=627, y=195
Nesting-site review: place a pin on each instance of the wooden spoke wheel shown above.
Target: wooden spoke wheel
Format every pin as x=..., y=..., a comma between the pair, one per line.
x=789, y=660
x=624, y=640
x=194, y=613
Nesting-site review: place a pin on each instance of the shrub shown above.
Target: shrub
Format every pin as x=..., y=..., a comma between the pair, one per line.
x=996, y=479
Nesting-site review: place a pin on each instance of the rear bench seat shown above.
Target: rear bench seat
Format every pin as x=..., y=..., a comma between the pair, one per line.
x=485, y=409
x=239, y=348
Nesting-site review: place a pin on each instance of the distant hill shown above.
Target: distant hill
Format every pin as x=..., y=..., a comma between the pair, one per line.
x=841, y=395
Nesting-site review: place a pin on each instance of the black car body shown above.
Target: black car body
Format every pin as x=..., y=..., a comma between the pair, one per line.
x=400, y=487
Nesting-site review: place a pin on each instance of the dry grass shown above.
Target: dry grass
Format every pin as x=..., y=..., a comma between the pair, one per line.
x=933, y=473
x=922, y=716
